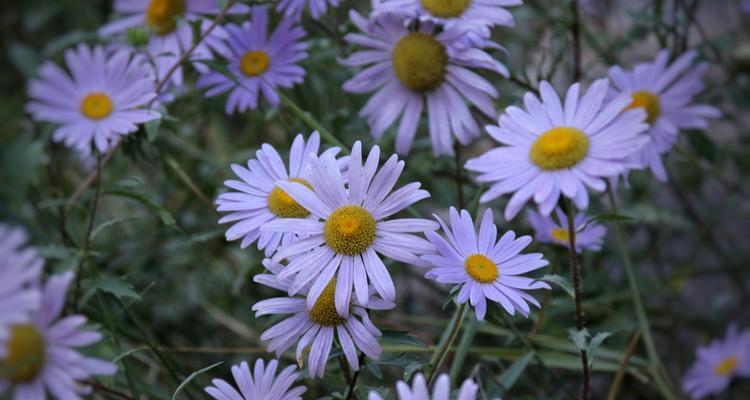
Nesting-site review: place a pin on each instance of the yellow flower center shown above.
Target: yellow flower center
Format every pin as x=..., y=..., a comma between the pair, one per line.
x=161, y=15
x=481, y=268
x=445, y=8
x=350, y=230
x=649, y=102
x=281, y=204
x=254, y=62
x=96, y=105
x=25, y=357
x=559, y=148
x=324, y=311
x=560, y=234
x=419, y=62
x=726, y=366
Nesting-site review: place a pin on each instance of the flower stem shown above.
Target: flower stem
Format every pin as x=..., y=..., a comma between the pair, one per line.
x=455, y=326
x=578, y=291
x=655, y=365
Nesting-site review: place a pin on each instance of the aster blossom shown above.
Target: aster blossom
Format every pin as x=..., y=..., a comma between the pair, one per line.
x=257, y=199
x=666, y=92
x=20, y=269
x=554, y=149
x=101, y=100
x=410, y=69
x=441, y=390
x=484, y=267
x=261, y=383
x=718, y=363
x=315, y=328
x=41, y=355
x=350, y=228
x=293, y=9
x=259, y=63
x=589, y=234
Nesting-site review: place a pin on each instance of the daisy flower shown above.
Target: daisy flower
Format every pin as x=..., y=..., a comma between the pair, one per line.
x=665, y=91
x=315, y=328
x=349, y=228
x=485, y=268
x=258, y=199
x=170, y=24
x=42, y=355
x=553, y=149
x=441, y=391
x=99, y=101
x=718, y=363
x=260, y=64
x=589, y=234
x=409, y=69
x=261, y=383
x=293, y=9
x=20, y=268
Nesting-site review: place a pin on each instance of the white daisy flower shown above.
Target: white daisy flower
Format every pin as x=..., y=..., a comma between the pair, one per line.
x=554, y=149
x=441, y=390
x=258, y=199
x=665, y=91
x=259, y=384
x=352, y=228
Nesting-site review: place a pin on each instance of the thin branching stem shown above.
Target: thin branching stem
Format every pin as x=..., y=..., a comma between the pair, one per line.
x=578, y=292
x=441, y=355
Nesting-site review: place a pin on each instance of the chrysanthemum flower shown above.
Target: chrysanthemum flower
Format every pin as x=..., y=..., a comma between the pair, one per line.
x=169, y=23
x=259, y=200
x=553, y=149
x=261, y=383
x=441, y=390
x=485, y=269
x=718, y=363
x=665, y=91
x=98, y=103
x=589, y=234
x=463, y=14
x=20, y=268
x=259, y=63
x=41, y=355
x=314, y=328
x=352, y=228
x=293, y=9
x=410, y=68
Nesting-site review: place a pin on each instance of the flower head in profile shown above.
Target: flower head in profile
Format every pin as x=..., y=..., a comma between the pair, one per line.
x=553, y=148
x=42, y=355
x=349, y=228
x=666, y=92
x=20, y=269
x=718, y=363
x=258, y=199
x=441, y=390
x=416, y=71
x=101, y=100
x=589, y=235
x=293, y=9
x=484, y=267
x=259, y=63
x=260, y=383
x=315, y=328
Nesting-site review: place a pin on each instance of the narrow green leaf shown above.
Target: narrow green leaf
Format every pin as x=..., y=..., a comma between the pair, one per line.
x=559, y=281
x=511, y=375
x=191, y=377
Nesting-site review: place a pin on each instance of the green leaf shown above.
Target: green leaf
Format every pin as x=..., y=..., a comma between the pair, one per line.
x=580, y=338
x=594, y=345
x=191, y=377
x=511, y=375
x=401, y=337
x=612, y=217
x=164, y=215
x=106, y=224
x=114, y=286
x=559, y=281
x=152, y=129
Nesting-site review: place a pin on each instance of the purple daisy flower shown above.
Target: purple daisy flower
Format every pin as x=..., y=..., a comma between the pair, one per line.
x=259, y=63
x=589, y=234
x=259, y=200
x=314, y=328
x=665, y=91
x=98, y=102
x=293, y=9
x=553, y=149
x=261, y=383
x=349, y=228
x=408, y=69
x=20, y=269
x=483, y=267
x=42, y=355
x=718, y=363
x=441, y=390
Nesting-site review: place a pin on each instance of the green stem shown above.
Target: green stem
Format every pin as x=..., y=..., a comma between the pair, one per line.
x=313, y=123
x=656, y=367
x=578, y=291
x=437, y=362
